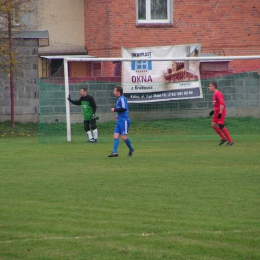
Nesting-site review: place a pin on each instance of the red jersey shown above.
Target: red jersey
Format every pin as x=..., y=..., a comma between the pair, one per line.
x=218, y=100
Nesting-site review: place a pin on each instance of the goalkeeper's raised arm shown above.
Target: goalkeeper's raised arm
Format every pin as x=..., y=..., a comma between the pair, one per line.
x=75, y=102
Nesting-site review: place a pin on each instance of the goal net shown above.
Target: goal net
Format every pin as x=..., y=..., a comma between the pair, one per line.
x=158, y=89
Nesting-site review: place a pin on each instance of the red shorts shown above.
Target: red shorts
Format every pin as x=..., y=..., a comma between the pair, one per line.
x=219, y=121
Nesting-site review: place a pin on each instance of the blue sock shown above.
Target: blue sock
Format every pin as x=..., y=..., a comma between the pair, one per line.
x=128, y=143
x=116, y=144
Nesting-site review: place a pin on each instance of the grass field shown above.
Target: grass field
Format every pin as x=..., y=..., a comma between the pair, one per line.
x=181, y=196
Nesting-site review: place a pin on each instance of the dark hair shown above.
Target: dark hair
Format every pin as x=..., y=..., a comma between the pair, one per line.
x=214, y=84
x=84, y=89
x=119, y=89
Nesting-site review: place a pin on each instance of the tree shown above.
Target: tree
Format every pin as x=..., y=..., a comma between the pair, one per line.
x=10, y=14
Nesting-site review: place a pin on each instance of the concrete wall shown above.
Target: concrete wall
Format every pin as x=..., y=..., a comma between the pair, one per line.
x=26, y=93
x=241, y=92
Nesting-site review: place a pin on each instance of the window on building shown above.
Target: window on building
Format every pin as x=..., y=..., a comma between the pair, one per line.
x=154, y=11
x=56, y=68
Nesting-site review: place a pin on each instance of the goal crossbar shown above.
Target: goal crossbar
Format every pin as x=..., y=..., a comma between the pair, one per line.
x=67, y=59
x=200, y=58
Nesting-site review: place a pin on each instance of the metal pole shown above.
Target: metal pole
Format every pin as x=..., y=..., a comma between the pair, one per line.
x=200, y=58
x=66, y=100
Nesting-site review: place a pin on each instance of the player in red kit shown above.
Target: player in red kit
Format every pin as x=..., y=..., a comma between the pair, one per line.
x=219, y=114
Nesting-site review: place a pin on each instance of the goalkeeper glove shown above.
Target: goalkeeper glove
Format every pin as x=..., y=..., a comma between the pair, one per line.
x=93, y=116
x=211, y=113
x=219, y=116
x=69, y=97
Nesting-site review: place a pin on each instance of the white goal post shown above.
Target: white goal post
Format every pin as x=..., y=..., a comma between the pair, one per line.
x=87, y=58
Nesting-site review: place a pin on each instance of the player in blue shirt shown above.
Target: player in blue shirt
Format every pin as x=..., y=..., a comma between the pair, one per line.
x=123, y=122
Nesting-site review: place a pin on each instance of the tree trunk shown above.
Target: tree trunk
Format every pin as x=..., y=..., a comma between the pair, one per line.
x=11, y=67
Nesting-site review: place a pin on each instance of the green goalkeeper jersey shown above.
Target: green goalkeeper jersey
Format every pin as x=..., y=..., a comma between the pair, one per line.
x=88, y=106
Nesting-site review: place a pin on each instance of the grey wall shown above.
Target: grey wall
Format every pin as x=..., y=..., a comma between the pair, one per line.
x=26, y=93
x=241, y=92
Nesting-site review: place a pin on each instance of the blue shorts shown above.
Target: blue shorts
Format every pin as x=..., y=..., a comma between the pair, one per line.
x=122, y=127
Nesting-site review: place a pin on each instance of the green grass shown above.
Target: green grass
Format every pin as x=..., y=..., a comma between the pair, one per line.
x=183, y=197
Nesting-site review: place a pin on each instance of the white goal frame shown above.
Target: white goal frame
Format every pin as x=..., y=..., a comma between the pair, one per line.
x=86, y=58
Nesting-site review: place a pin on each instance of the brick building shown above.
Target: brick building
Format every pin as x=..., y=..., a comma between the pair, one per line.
x=221, y=27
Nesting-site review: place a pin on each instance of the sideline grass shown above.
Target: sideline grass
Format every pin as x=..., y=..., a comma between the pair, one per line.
x=177, y=199
x=155, y=130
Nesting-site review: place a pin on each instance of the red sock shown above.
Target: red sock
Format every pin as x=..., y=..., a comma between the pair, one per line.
x=218, y=131
x=226, y=133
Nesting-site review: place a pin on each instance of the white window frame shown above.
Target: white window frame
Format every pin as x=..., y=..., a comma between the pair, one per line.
x=141, y=65
x=148, y=19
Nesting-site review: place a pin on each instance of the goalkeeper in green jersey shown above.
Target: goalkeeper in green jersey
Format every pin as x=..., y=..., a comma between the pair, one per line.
x=89, y=108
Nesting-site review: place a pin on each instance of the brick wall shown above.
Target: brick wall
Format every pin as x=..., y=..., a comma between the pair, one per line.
x=222, y=27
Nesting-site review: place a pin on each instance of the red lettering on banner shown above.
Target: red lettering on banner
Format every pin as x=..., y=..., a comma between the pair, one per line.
x=141, y=79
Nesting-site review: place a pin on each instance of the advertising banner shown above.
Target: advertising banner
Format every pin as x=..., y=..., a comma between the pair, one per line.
x=152, y=81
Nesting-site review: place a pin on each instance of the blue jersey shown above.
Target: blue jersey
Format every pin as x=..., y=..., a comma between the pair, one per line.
x=122, y=103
